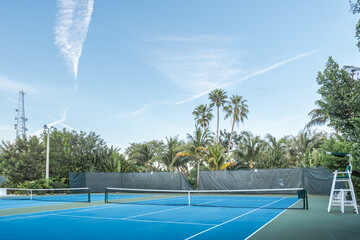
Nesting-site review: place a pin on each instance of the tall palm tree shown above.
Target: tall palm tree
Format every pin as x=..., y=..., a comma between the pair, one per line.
x=197, y=147
x=203, y=115
x=218, y=97
x=238, y=110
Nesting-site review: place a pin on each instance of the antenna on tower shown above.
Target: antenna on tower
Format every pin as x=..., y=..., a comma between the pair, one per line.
x=20, y=118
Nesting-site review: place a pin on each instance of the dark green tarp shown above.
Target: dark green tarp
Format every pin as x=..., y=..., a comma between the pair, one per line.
x=156, y=180
x=317, y=180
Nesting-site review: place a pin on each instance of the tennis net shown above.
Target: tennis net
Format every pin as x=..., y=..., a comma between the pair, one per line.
x=290, y=198
x=54, y=194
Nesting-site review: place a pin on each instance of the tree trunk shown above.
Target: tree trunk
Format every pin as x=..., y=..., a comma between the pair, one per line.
x=217, y=130
x=198, y=172
x=232, y=130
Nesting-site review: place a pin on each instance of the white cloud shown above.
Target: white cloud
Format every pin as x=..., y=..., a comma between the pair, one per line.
x=72, y=24
x=248, y=76
x=201, y=63
x=195, y=63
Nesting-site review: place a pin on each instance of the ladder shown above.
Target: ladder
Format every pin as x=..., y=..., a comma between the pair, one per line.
x=344, y=196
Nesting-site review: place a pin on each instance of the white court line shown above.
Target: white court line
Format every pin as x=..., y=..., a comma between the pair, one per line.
x=33, y=215
x=167, y=210
x=134, y=220
x=270, y=221
x=232, y=219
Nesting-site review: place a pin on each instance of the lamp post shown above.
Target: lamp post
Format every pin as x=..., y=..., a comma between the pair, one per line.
x=47, y=152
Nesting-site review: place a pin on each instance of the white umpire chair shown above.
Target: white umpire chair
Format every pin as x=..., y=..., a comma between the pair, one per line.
x=345, y=195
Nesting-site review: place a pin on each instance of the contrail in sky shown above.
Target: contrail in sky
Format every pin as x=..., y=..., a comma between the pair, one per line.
x=71, y=27
x=250, y=75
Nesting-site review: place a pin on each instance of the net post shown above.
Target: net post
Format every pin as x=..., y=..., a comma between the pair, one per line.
x=89, y=196
x=106, y=195
x=306, y=199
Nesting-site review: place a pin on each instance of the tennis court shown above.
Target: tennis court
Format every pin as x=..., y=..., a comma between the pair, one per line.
x=144, y=218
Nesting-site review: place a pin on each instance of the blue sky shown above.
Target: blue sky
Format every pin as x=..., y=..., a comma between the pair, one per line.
x=143, y=66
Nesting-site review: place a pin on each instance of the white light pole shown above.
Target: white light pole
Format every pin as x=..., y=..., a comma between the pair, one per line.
x=47, y=153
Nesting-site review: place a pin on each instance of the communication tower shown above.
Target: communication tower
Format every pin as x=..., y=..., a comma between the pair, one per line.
x=20, y=118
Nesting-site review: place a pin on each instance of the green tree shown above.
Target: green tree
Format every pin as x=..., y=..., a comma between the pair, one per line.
x=318, y=118
x=335, y=143
x=196, y=147
x=304, y=143
x=340, y=97
x=23, y=160
x=169, y=157
x=75, y=152
x=249, y=150
x=203, y=115
x=236, y=109
x=218, y=97
x=355, y=8
x=216, y=158
x=118, y=163
x=274, y=153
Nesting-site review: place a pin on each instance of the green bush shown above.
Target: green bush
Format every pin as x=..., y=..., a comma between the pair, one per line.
x=37, y=184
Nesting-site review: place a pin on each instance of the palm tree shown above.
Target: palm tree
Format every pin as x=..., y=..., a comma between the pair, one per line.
x=274, y=153
x=249, y=149
x=117, y=163
x=197, y=147
x=318, y=118
x=144, y=156
x=169, y=158
x=304, y=142
x=203, y=115
x=218, y=98
x=216, y=158
x=238, y=110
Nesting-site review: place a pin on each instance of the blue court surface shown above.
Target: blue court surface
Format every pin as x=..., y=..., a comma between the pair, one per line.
x=47, y=200
x=132, y=221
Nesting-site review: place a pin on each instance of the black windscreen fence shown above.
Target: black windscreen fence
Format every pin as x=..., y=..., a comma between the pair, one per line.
x=317, y=180
x=151, y=180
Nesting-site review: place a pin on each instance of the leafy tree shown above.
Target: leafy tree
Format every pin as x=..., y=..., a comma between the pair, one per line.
x=203, y=115
x=23, y=160
x=75, y=152
x=340, y=98
x=335, y=143
x=218, y=97
x=355, y=8
x=236, y=109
